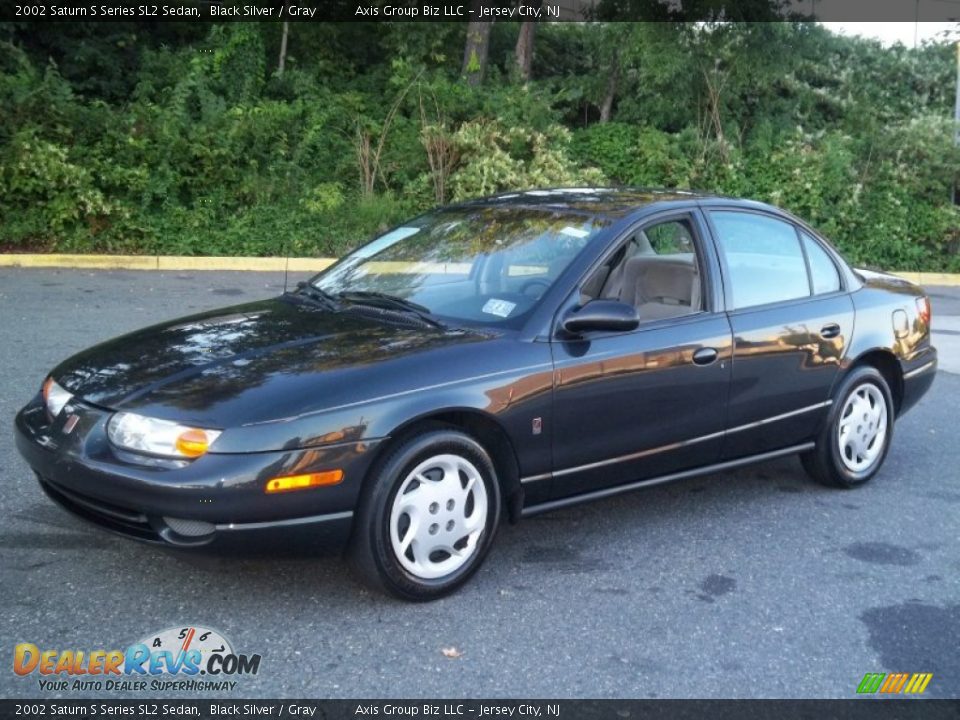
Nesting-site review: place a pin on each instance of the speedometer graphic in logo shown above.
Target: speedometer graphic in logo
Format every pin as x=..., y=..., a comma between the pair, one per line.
x=181, y=640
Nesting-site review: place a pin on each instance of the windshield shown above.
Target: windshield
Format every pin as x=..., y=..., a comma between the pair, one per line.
x=484, y=264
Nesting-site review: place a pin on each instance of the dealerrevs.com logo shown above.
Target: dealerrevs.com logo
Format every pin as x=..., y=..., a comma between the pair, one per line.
x=191, y=658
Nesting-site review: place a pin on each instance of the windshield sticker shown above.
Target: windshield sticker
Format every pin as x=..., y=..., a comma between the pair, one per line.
x=500, y=308
x=385, y=241
x=575, y=232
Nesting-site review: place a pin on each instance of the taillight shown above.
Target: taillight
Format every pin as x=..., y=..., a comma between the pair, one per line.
x=923, y=309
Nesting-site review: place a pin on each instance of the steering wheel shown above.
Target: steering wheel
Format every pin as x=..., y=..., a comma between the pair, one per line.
x=533, y=283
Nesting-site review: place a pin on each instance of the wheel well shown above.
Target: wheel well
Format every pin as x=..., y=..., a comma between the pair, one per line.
x=487, y=432
x=887, y=365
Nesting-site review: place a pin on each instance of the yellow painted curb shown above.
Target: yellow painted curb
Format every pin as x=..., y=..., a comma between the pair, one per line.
x=130, y=262
x=187, y=262
x=269, y=264
x=310, y=264
x=929, y=278
x=165, y=262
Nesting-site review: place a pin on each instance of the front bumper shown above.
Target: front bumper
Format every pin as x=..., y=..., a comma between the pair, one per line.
x=217, y=500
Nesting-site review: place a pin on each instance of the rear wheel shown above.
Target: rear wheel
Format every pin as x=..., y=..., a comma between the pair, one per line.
x=855, y=438
x=429, y=516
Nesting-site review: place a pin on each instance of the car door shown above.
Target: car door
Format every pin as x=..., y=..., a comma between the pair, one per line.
x=792, y=320
x=641, y=404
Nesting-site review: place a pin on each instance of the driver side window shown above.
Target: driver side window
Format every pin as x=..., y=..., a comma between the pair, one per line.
x=529, y=269
x=657, y=270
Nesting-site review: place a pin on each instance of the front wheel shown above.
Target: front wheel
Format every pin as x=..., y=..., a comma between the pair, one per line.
x=428, y=516
x=855, y=438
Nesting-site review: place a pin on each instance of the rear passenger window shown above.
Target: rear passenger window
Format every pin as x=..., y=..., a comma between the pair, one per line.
x=763, y=258
x=823, y=273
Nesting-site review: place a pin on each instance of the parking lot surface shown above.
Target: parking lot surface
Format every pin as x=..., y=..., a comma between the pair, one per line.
x=753, y=583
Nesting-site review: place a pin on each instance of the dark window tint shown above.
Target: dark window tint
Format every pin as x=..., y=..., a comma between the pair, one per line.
x=763, y=258
x=823, y=272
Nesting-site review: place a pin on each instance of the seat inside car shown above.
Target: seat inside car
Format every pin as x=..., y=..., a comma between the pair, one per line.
x=661, y=286
x=608, y=283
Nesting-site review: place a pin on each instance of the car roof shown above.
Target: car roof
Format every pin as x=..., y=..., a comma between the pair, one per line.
x=610, y=202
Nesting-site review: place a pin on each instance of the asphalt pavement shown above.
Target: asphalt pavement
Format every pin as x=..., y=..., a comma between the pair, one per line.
x=753, y=583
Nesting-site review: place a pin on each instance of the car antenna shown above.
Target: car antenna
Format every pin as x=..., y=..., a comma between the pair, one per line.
x=286, y=265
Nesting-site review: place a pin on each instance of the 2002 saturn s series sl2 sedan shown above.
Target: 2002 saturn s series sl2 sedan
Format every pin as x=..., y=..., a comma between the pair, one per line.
x=504, y=356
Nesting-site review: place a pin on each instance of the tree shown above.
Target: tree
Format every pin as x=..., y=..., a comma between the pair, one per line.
x=524, y=48
x=477, y=46
x=617, y=48
x=283, y=47
x=613, y=84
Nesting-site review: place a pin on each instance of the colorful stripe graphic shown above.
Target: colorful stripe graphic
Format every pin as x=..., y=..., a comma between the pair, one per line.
x=894, y=683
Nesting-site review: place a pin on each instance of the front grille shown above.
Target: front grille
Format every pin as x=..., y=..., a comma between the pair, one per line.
x=107, y=515
x=190, y=528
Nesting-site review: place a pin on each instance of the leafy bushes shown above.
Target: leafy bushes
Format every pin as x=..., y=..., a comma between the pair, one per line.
x=636, y=155
x=885, y=203
x=496, y=158
x=188, y=140
x=54, y=193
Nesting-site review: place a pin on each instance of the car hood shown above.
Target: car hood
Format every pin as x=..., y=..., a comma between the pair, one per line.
x=246, y=363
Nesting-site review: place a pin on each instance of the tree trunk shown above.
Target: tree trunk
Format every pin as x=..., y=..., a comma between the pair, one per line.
x=477, y=47
x=283, y=48
x=606, y=109
x=524, y=49
x=714, y=84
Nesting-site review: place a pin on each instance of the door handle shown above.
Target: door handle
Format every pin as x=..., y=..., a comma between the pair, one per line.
x=831, y=330
x=705, y=356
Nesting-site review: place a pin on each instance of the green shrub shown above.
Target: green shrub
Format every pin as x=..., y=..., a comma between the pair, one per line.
x=187, y=140
x=634, y=155
x=45, y=195
x=496, y=158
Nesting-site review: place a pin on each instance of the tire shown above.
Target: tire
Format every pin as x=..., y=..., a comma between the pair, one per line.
x=421, y=539
x=851, y=449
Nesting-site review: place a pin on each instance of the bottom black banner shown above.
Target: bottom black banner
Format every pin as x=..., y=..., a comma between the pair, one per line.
x=861, y=709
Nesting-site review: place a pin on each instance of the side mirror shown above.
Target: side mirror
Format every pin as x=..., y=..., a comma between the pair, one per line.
x=602, y=315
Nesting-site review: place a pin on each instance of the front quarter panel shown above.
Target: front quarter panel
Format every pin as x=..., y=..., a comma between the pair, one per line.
x=505, y=379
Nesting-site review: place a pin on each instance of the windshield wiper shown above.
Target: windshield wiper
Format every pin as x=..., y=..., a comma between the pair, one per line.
x=312, y=292
x=390, y=302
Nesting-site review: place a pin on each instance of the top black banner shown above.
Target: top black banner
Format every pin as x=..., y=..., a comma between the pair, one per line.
x=481, y=10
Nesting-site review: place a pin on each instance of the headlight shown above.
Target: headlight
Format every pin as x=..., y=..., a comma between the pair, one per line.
x=159, y=437
x=54, y=397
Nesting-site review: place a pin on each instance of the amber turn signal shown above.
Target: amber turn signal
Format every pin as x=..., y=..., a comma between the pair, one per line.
x=193, y=443
x=302, y=482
